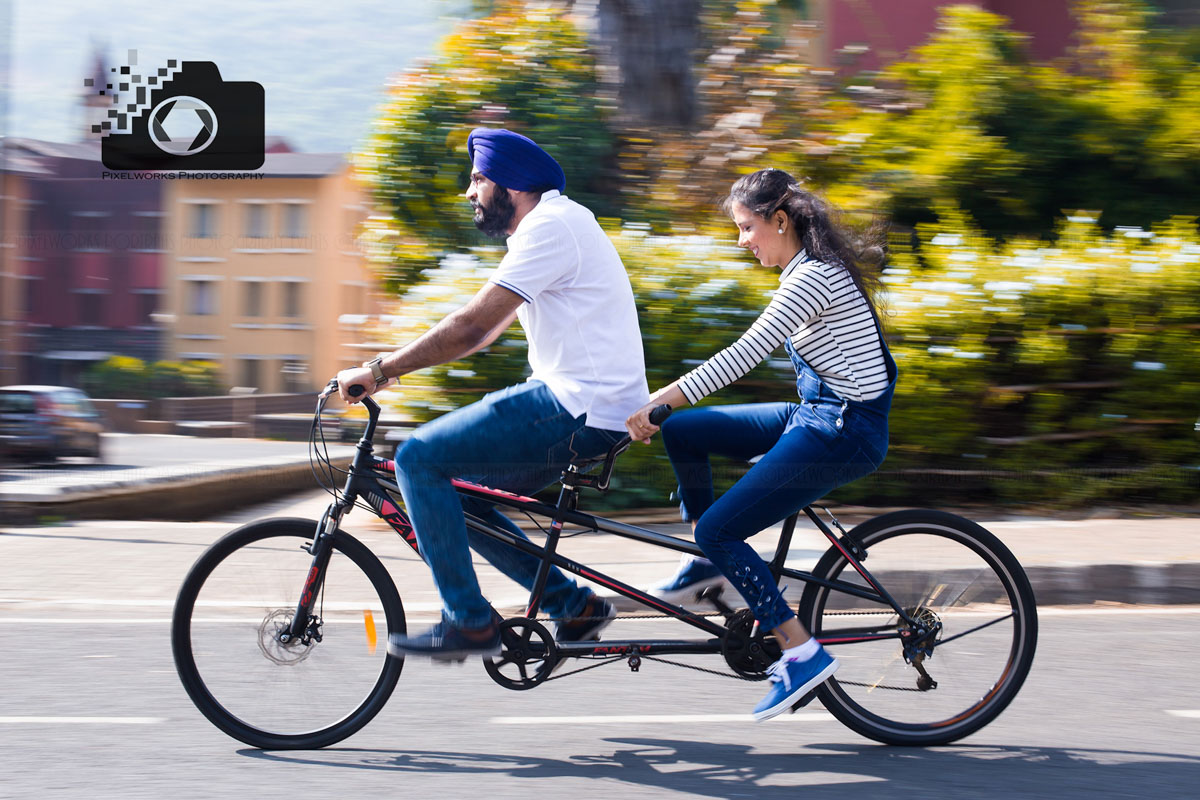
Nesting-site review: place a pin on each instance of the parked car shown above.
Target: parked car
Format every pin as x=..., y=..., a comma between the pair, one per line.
x=47, y=422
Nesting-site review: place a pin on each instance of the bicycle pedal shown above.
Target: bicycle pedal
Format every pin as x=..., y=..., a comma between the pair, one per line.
x=803, y=701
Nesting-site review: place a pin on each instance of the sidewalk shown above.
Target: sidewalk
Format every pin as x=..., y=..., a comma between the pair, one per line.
x=1132, y=556
x=190, y=490
x=1145, y=560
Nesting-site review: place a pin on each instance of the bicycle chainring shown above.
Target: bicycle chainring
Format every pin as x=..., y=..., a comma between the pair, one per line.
x=746, y=651
x=528, y=657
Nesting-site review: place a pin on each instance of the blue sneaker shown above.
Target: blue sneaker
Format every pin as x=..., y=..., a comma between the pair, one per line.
x=791, y=680
x=597, y=614
x=694, y=576
x=444, y=642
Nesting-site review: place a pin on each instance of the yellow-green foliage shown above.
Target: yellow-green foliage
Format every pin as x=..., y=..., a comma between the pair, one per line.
x=123, y=376
x=530, y=72
x=972, y=123
x=1001, y=349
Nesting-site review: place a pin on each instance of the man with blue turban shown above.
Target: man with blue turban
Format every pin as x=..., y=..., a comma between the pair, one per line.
x=563, y=280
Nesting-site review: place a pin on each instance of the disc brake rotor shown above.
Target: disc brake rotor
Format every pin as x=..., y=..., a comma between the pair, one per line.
x=284, y=653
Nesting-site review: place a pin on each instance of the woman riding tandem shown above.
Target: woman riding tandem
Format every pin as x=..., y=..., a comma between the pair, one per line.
x=836, y=433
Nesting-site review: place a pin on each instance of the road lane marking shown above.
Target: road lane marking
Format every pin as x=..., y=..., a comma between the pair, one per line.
x=82, y=720
x=1185, y=713
x=1057, y=611
x=651, y=718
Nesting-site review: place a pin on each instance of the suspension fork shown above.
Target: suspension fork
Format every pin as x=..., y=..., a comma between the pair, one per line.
x=321, y=548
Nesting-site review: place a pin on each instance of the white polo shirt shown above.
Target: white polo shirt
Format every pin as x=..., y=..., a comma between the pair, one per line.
x=579, y=315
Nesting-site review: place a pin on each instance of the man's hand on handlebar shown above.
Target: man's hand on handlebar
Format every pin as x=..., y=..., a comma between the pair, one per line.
x=360, y=378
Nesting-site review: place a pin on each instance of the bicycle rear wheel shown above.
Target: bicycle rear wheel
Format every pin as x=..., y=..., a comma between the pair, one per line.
x=237, y=598
x=949, y=574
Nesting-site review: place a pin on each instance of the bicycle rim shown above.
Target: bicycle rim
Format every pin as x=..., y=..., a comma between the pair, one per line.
x=945, y=572
x=312, y=693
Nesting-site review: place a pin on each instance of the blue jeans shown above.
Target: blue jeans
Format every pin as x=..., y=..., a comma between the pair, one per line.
x=810, y=448
x=519, y=439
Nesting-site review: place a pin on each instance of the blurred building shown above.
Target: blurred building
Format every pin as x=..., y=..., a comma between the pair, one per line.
x=869, y=34
x=263, y=276
x=16, y=170
x=82, y=263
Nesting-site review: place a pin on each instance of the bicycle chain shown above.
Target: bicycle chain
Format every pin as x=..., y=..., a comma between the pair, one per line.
x=735, y=676
x=707, y=614
x=677, y=663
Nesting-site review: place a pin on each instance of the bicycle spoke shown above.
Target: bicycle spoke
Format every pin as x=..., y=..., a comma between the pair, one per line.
x=943, y=642
x=268, y=686
x=947, y=581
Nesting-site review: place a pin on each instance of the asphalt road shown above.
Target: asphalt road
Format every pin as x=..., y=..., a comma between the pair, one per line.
x=95, y=710
x=91, y=707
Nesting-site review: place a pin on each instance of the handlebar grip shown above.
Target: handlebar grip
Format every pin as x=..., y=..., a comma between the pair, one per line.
x=660, y=413
x=355, y=390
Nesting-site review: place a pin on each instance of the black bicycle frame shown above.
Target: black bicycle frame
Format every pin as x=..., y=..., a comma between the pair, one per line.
x=367, y=481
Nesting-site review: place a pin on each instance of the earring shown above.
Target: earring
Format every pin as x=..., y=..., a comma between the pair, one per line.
x=781, y=229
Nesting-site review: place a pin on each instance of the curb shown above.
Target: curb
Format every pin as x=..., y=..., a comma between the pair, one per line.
x=176, y=498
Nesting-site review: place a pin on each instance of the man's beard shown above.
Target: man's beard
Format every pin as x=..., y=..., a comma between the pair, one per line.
x=496, y=219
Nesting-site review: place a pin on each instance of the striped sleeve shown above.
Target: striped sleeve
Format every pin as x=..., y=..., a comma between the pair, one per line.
x=800, y=299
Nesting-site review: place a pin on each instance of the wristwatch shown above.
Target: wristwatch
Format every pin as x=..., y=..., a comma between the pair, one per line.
x=376, y=367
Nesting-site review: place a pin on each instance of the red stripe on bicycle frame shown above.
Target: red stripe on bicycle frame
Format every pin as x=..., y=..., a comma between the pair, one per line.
x=461, y=484
x=395, y=517
x=849, y=639
x=645, y=598
x=385, y=464
x=854, y=564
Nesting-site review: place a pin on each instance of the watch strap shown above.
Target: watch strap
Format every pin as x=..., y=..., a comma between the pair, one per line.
x=376, y=367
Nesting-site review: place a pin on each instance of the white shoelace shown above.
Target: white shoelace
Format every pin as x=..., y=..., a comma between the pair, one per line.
x=777, y=673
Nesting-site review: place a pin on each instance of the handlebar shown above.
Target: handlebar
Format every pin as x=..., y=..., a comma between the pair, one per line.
x=657, y=417
x=355, y=391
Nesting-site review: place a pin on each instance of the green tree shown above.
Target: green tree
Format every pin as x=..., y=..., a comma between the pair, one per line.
x=970, y=123
x=527, y=71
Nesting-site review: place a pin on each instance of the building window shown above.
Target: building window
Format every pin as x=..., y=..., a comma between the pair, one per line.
x=295, y=377
x=203, y=221
x=147, y=233
x=294, y=218
x=249, y=374
x=201, y=298
x=29, y=301
x=252, y=306
x=147, y=303
x=256, y=221
x=291, y=298
x=91, y=308
x=90, y=232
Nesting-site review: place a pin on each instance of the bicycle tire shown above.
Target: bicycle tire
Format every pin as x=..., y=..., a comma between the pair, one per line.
x=274, y=670
x=877, y=692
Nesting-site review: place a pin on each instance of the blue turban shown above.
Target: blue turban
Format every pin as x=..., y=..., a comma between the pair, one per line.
x=514, y=161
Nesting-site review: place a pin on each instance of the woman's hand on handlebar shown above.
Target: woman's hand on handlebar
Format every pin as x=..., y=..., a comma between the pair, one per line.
x=643, y=423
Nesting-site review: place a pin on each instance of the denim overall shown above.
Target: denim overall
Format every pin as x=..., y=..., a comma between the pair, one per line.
x=808, y=449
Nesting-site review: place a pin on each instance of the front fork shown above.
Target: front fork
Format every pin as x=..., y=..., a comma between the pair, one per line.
x=321, y=548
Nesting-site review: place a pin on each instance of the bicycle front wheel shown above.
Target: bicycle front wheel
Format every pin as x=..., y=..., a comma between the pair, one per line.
x=312, y=691
x=951, y=577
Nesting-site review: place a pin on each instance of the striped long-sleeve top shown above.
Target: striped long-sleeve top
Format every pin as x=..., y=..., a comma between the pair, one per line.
x=831, y=328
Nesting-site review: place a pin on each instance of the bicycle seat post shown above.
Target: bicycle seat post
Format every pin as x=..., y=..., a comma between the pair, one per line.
x=568, y=497
x=785, y=544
